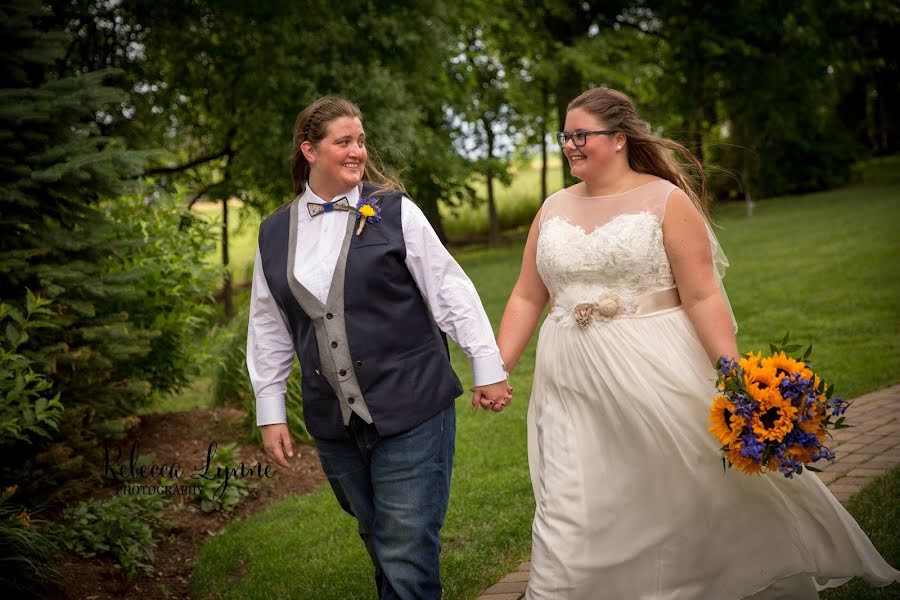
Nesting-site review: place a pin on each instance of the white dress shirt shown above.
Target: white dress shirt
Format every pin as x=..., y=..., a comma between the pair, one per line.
x=449, y=292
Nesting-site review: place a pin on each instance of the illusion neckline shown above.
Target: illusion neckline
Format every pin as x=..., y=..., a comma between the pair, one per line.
x=634, y=189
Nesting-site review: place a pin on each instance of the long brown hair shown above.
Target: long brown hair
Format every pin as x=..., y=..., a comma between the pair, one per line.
x=647, y=153
x=312, y=124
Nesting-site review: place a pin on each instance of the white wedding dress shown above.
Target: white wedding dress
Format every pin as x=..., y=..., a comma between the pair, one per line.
x=631, y=498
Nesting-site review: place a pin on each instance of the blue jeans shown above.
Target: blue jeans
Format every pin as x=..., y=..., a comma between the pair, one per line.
x=398, y=488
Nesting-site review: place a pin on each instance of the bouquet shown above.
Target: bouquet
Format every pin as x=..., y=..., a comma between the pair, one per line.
x=773, y=413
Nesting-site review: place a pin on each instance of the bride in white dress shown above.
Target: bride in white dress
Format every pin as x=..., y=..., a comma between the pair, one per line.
x=631, y=499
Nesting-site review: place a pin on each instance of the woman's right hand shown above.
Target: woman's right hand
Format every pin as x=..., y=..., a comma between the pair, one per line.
x=277, y=443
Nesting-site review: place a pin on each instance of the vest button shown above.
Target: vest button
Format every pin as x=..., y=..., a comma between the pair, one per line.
x=358, y=363
x=334, y=344
x=343, y=372
x=351, y=400
x=329, y=316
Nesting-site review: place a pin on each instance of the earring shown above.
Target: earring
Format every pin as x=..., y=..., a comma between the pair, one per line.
x=618, y=148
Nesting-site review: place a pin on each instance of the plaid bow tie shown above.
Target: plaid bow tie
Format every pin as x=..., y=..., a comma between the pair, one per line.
x=315, y=208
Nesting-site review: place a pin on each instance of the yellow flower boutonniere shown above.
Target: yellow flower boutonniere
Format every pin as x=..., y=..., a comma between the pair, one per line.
x=367, y=211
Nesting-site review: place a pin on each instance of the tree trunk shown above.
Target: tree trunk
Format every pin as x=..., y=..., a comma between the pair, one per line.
x=226, y=283
x=493, y=220
x=494, y=232
x=570, y=86
x=431, y=212
x=543, y=133
x=697, y=136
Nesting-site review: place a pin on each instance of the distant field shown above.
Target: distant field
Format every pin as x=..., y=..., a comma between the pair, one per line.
x=516, y=204
x=243, y=227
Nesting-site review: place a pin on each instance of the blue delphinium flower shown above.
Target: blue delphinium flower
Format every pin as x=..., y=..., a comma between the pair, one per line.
x=823, y=453
x=727, y=366
x=839, y=406
x=752, y=447
x=745, y=406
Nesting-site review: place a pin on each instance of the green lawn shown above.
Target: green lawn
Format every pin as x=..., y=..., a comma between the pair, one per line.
x=877, y=510
x=823, y=266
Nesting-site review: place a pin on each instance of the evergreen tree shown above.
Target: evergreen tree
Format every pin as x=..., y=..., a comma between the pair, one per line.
x=119, y=279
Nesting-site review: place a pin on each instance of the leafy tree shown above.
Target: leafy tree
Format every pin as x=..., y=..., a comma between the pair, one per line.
x=560, y=25
x=868, y=36
x=482, y=101
x=783, y=112
x=219, y=84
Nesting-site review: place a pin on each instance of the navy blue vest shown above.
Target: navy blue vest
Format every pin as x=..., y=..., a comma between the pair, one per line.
x=400, y=355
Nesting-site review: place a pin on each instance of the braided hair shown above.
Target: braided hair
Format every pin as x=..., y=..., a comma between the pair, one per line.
x=312, y=126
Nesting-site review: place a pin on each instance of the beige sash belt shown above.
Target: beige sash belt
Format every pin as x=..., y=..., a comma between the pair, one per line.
x=610, y=306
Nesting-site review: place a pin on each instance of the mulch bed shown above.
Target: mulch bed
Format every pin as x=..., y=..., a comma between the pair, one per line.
x=184, y=437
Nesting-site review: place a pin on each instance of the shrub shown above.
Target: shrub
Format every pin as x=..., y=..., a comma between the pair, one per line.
x=217, y=492
x=25, y=550
x=121, y=528
x=28, y=406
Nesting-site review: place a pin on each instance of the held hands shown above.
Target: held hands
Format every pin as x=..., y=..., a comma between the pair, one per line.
x=277, y=443
x=493, y=397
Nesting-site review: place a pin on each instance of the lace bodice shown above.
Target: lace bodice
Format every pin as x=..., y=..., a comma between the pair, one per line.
x=591, y=246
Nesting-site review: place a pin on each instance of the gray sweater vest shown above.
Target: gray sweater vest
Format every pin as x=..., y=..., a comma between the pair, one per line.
x=373, y=348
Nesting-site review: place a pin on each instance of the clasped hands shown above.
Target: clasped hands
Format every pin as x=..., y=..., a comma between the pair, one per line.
x=277, y=439
x=494, y=396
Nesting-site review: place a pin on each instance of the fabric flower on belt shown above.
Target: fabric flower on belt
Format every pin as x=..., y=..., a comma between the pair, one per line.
x=583, y=313
x=605, y=307
x=367, y=211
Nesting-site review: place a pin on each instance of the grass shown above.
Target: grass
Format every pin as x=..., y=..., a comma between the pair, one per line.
x=823, y=266
x=877, y=511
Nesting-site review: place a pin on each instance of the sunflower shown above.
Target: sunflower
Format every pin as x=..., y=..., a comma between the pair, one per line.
x=743, y=464
x=813, y=424
x=800, y=454
x=726, y=425
x=775, y=418
x=785, y=366
x=762, y=382
x=750, y=361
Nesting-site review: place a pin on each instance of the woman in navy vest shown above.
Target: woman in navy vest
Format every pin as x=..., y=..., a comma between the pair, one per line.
x=351, y=278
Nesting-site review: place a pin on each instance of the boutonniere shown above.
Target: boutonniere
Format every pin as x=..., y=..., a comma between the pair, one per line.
x=367, y=211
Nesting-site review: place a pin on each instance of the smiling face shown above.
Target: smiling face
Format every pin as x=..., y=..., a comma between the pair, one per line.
x=598, y=152
x=337, y=162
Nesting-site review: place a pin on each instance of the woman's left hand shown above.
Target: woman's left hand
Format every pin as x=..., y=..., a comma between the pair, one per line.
x=495, y=396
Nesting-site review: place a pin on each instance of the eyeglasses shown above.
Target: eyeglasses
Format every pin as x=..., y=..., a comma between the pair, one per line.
x=579, y=138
